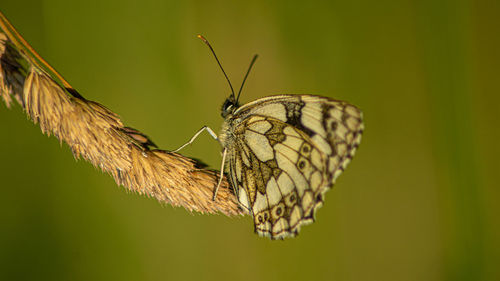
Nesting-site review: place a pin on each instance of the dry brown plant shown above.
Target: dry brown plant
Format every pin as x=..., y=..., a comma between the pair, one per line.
x=97, y=134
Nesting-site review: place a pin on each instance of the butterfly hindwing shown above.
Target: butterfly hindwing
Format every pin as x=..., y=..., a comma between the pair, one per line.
x=282, y=177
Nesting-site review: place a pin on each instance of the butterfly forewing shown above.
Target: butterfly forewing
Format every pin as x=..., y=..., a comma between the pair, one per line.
x=285, y=152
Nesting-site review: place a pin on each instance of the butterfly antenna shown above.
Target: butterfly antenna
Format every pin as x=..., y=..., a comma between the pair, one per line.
x=246, y=75
x=213, y=52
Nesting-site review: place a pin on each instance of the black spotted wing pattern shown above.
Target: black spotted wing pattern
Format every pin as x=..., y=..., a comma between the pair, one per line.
x=286, y=152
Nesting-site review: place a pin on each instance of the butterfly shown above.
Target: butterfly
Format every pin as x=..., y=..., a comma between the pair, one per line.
x=282, y=154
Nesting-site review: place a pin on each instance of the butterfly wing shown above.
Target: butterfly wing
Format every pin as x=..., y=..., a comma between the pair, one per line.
x=287, y=152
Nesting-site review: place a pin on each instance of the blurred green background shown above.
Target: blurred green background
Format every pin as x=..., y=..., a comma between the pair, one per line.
x=419, y=201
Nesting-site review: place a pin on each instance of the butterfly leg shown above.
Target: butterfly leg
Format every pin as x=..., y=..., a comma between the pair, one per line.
x=221, y=175
x=205, y=128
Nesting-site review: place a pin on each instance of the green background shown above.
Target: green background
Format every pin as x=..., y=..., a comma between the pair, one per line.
x=420, y=201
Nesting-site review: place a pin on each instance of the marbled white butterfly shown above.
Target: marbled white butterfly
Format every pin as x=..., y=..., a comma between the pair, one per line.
x=282, y=154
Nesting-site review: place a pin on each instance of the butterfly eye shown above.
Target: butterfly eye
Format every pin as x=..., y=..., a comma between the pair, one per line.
x=228, y=107
x=225, y=107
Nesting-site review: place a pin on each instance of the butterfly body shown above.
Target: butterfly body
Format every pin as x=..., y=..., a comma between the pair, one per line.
x=283, y=152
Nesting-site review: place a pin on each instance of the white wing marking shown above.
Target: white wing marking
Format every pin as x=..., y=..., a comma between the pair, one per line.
x=259, y=145
x=285, y=184
x=289, y=131
x=352, y=123
x=295, y=216
x=351, y=110
x=311, y=118
x=245, y=158
x=260, y=127
x=290, y=153
x=260, y=203
x=316, y=180
x=256, y=118
x=275, y=110
x=293, y=143
x=273, y=192
x=322, y=144
x=317, y=159
x=341, y=149
x=341, y=131
x=336, y=113
x=288, y=166
x=243, y=198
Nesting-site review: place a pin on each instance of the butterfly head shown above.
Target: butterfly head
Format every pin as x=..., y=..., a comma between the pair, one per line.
x=229, y=106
